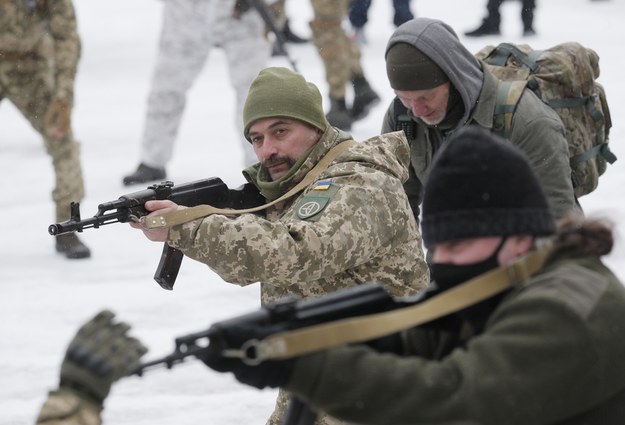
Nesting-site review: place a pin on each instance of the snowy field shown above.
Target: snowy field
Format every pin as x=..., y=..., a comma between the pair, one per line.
x=45, y=297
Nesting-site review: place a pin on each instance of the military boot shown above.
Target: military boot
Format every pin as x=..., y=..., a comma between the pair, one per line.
x=364, y=98
x=144, y=174
x=339, y=116
x=488, y=27
x=71, y=246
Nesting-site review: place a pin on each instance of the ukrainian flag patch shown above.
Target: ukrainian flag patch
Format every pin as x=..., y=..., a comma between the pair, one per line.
x=322, y=185
x=315, y=201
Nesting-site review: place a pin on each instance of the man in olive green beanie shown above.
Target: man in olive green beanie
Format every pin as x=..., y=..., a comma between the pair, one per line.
x=280, y=92
x=351, y=224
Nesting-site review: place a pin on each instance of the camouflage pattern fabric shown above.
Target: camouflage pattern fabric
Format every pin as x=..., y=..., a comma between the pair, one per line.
x=564, y=77
x=64, y=407
x=364, y=232
x=39, y=52
x=190, y=28
x=339, y=53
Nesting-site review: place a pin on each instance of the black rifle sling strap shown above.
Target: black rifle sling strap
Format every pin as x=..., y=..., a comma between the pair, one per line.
x=369, y=327
x=185, y=215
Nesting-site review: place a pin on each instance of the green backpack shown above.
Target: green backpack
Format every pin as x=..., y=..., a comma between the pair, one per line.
x=564, y=78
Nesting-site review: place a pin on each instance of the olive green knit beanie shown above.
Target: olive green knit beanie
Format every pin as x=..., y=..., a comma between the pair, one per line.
x=280, y=92
x=410, y=69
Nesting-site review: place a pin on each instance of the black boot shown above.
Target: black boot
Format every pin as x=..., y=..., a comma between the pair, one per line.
x=291, y=37
x=71, y=246
x=144, y=174
x=339, y=116
x=364, y=98
x=488, y=27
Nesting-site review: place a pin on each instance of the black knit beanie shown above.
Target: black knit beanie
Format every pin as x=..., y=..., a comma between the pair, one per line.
x=408, y=68
x=481, y=185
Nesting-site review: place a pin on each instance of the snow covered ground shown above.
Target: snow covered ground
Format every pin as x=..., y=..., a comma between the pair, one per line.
x=45, y=297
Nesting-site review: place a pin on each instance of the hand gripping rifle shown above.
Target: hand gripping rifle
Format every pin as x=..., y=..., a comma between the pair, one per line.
x=362, y=314
x=130, y=207
x=286, y=315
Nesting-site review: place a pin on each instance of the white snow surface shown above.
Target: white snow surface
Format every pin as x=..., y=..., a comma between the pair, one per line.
x=45, y=297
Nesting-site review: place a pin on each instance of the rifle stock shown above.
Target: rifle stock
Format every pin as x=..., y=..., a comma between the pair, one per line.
x=130, y=207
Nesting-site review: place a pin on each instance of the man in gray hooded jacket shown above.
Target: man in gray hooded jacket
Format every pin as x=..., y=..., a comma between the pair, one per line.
x=442, y=87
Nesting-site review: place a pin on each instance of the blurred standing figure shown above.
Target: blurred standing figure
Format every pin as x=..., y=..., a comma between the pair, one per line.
x=341, y=59
x=39, y=52
x=189, y=29
x=358, y=16
x=278, y=8
x=490, y=24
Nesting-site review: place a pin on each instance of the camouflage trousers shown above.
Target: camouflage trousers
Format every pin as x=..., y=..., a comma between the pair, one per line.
x=339, y=53
x=28, y=82
x=281, y=406
x=190, y=28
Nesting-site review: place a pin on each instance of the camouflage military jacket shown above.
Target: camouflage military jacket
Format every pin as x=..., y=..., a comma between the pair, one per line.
x=41, y=30
x=352, y=225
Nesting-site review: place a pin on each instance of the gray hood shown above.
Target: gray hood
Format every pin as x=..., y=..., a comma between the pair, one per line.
x=441, y=44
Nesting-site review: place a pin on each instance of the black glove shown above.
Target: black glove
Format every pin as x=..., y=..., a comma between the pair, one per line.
x=99, y=355
x=269, y=373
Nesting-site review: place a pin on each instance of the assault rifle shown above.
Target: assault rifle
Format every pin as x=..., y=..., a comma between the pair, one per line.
x=212, y=191
x=285, y=315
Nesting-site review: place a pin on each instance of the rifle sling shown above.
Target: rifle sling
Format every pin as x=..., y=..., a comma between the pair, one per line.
x=366, y=328
x=189, y=214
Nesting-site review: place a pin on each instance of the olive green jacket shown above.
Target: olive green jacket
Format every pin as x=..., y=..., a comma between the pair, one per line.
x=536, y=129
x=552, y=352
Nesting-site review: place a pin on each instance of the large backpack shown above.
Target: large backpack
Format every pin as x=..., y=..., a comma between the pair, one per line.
x=564, y=78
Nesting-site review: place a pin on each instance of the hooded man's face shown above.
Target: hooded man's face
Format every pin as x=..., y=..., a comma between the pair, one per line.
x=429, y=105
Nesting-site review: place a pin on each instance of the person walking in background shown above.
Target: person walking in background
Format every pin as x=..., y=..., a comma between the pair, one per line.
x=350, y=225
x=39, y=53
x=359, y=11
x=190, y=28
x=490, y=24
x=341, y=61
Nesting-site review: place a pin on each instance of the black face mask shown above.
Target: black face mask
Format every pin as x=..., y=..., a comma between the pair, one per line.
x=447, y=275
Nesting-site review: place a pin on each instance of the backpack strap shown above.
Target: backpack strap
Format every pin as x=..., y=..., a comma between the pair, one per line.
x=403, y=121
x=504, y=50
x=508, y=95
